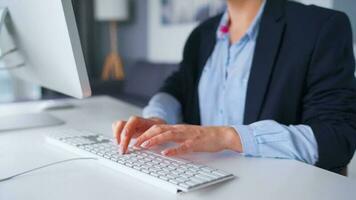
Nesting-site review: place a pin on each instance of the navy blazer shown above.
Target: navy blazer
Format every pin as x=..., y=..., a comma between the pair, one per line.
x=302, y=73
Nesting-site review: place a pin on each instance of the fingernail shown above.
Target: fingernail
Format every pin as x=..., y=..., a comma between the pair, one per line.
x=164, y=152
x=123, y=138
x=145, y=144
x=121, y=151
x=136, y=147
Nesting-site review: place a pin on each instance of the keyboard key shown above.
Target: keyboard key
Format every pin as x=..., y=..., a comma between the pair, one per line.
x=181, y=179
x=176, y=173
x=207, y=169
x=154, y=174
x=208, y=174
x=144, y=167
x=191, y=183
x=120, y=161
x=173, y=181
x=171, y=176
x=128, y=164
x=163, y=178
x=189, y=173
x=184, y=185
x=207, y=178
x=186, y=176
x=136, y=167
x=163, y=164
x=170, y=167
x=113, y=159
x=197, y=179
x=145, y=171
x=219, y=173
x=162, y=172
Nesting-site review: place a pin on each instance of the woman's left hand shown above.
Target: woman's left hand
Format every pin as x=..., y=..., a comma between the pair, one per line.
x=191, y=138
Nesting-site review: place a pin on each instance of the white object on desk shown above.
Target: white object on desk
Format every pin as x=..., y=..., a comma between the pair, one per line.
x=56, y=105
x=258, y=178
x=173, y=175
x=57, y=64
x=26, y=121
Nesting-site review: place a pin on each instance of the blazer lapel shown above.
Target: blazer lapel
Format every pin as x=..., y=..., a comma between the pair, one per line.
x=266, y=51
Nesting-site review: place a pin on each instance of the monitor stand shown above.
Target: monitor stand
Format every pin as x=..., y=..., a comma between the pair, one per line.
x=52, y=105
x=26, y=121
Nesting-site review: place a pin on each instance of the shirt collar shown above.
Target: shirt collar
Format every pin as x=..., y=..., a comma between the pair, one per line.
x=223, y=29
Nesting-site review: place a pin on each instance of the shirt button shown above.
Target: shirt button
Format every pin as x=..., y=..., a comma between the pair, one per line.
x=221, y=111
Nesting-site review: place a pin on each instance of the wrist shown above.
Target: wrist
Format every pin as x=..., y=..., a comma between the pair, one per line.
x=157, y=120
x=233, y=141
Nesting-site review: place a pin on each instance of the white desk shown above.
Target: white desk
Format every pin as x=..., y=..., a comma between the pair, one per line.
x=257, y=178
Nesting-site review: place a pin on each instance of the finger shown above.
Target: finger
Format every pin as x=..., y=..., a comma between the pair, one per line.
x=151, y=132
x=127, y=132
x=117, y=129
x=184, y=148
x=168, y=136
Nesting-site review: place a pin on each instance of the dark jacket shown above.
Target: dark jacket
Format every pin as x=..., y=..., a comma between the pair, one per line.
x=302, y=73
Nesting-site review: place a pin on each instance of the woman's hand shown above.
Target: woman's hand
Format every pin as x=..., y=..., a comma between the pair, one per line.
x=124, y=130
x=190, y=138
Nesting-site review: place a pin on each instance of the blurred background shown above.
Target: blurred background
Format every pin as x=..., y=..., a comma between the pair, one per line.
x=129, y=43
x=131, y=46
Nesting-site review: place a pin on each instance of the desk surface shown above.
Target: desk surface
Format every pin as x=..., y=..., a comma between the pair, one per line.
x=257, y=178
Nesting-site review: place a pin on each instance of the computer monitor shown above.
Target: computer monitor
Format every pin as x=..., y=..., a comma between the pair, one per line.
x=39, y=42
x=46, y=48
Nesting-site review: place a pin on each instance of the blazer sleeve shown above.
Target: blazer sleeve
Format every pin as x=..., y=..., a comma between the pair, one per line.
x=329, y=106
x=180, y=82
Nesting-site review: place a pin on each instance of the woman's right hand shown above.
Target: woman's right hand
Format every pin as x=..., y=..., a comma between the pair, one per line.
x=125, y=130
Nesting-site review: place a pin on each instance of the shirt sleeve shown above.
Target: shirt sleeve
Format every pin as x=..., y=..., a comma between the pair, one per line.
x=164, y=106
x=268, y=138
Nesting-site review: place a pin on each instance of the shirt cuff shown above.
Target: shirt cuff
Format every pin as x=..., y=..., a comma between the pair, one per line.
x=248, y=141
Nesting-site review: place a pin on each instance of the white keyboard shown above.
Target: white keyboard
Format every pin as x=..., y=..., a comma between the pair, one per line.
x=168, y=173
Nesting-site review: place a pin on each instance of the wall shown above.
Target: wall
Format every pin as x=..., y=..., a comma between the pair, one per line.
x=349, y=7
x=165, y=43
x=144, y=38
x=133, y=34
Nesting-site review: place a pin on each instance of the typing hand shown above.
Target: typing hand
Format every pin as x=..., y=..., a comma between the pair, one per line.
x=125, y=130
x=190, y=138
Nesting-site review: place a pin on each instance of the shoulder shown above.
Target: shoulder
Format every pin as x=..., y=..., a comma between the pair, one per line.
x=311, y=17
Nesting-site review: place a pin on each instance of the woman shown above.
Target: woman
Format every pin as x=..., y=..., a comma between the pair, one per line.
x=266, y=79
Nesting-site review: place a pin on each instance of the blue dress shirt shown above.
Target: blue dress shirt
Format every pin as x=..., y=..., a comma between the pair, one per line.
x=222, y=93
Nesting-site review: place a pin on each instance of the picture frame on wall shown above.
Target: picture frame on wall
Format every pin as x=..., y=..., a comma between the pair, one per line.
x=175, y=12
x=178, y=18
